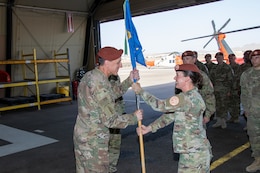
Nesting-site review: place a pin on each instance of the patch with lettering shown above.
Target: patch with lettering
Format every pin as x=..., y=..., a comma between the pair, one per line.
x=174, y=100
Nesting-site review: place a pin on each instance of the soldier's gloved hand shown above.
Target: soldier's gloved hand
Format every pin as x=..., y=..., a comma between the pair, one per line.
x=136, y=87
x=139, y=114
x=134, y=75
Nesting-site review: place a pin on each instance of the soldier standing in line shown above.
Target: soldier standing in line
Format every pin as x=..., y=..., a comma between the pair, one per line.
x=234, y=99
x=97, y=113
x=186, y=111
x=206, y=90
x=250, y=98
x=222, y=78
x=199, y=64
x=115, y=136
x=247, y=62
x=243, y=67
x=209, y=64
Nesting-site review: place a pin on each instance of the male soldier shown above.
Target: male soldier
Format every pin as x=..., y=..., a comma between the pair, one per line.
x=234, y=99
x=243, y=67
x=206, y=91
x=199, y=64
x=209, y=64
x=250, y=98
x=247, y=62
x=115, y=136
x=222, y=78
x=97, y=113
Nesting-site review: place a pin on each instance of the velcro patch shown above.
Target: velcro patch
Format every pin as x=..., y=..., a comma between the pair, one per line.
x=174, y=100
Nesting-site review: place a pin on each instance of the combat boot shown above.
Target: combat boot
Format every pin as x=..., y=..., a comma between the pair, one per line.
x=218, y=123
x=223, y=123
x=255, y=166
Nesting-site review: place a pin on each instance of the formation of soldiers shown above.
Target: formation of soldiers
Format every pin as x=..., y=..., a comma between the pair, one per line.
x=237, y=86
x=226, y=81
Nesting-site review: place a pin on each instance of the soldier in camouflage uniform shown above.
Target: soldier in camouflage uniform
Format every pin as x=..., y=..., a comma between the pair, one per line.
x=97, y=113
x=115, y=136
x=221, y=78
x=199, y=64
x=247, y=62
x=186, y=111
x=209, y=64
x=206, y=90
x=250, y=98
x=234, y=99
x=243, y=67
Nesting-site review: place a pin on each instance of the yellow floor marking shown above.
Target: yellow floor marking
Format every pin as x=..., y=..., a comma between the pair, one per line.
x=228, y=156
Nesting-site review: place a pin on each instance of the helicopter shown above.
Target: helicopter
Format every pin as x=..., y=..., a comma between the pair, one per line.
x=220, y=38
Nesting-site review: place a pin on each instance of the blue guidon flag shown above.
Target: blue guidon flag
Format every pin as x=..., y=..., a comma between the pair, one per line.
x=135, y=46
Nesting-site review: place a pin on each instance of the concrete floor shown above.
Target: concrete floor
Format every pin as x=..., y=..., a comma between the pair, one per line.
x=56, y=121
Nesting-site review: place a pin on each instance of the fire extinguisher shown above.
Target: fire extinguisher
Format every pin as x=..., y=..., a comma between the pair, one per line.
x=75, y=85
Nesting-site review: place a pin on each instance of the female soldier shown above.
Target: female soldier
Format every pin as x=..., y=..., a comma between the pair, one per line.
x=186, y=111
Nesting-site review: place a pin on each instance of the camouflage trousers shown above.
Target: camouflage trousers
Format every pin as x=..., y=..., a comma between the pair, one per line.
x=91, y=159
x=114, y=149
x=197, y=162
x=234, y=104
x=253, y=131
x=221, y=104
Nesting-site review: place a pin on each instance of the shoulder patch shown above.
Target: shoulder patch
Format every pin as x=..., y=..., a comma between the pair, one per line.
x=174, y=100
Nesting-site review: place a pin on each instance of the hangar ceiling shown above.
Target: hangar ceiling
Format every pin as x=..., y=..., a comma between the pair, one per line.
x=96, y=11
x=107, y=10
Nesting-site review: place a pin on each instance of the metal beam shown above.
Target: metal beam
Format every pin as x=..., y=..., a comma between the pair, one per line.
x=9, y=29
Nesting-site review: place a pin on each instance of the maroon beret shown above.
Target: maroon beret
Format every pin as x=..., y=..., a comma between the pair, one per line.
x=187, y=67
x=110, y=53
x=188, y=53
x=255, y=53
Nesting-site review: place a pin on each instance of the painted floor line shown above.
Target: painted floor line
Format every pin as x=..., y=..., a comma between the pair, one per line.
x=228, y=156
x=20, y=140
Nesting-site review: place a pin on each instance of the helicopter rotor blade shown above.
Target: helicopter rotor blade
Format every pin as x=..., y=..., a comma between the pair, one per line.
x=225, y=24
x=214, y=29
x=238, y=30
x=195, y=38
x=214, y=26
x=244, y=29
x=208, y=42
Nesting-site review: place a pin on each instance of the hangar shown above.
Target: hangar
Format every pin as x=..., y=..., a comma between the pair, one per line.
x=41, y=25
x=52, y=27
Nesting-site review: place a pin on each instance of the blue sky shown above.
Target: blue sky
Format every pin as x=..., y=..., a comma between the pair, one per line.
x=163, y=32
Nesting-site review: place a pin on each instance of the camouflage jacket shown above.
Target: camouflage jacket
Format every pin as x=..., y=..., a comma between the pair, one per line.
x=207, y=93
x=96, y=108
x=250, y=87
x=202, y=67
x=210, y=66
x=236, y=76
x=187, y=114
x=119, y=90
x=222, y=77
x=244, y=67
